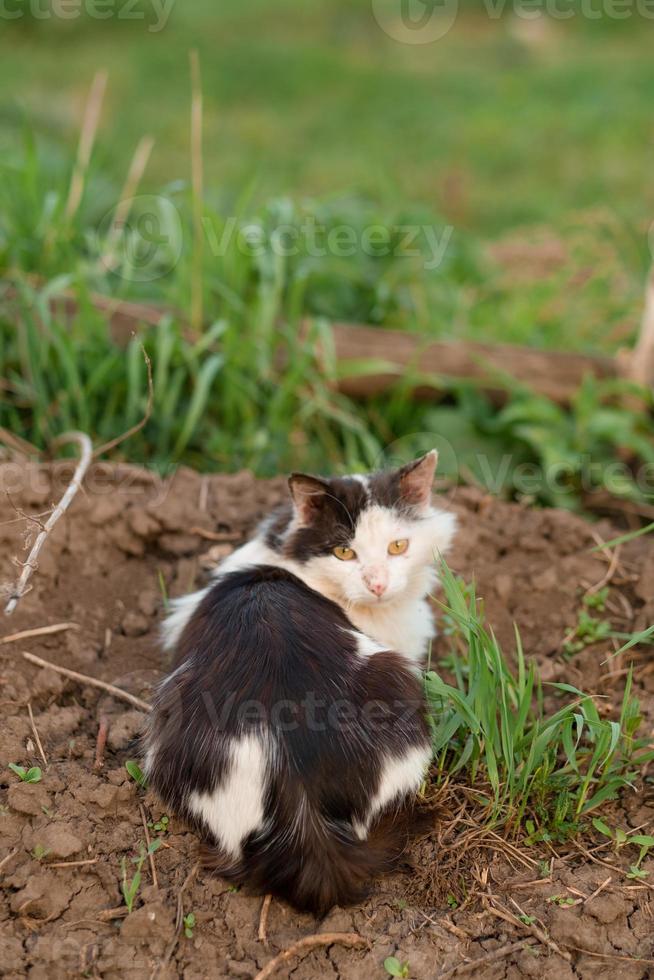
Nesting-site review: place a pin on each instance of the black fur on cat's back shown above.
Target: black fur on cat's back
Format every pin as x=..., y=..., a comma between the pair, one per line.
x=264, y=653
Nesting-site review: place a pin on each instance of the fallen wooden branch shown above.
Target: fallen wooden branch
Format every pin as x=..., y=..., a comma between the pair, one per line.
x=555, y=374
x=86, y=454
x=73, y=675
x=350, y=939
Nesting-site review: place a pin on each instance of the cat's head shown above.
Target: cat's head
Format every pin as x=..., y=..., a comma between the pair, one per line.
x=367, y=540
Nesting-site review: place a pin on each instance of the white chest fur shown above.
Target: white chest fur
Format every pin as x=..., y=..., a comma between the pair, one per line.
x=406, y=628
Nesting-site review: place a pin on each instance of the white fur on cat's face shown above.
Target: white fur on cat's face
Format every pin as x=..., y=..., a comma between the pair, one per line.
x=374, y=577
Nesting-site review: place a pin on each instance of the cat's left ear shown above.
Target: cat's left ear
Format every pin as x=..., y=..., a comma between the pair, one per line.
x=416, y=480
x=309, y=495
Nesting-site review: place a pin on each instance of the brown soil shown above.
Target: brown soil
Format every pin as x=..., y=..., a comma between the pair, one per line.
x=103, y=569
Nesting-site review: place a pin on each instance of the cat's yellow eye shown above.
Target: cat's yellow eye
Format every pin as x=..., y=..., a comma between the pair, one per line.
x=398, y=547
x=344, y=554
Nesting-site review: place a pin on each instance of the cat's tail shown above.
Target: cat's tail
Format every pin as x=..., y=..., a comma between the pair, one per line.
x=317, y=864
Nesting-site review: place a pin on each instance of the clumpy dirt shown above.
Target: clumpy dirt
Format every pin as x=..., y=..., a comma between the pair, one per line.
x=129, y=540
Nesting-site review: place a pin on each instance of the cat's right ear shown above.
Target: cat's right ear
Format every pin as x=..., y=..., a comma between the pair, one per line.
x=309, y=495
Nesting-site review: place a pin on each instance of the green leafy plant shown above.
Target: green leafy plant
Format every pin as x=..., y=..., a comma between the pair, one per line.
x=189, y=925
x=564, y=901
x=396, y=969
x=136, y=773
x=538, y=775
x=39, y=852
x=622, y=838
x=588, y=630
x=161, y=825
x=130, y=886
x=33, y=775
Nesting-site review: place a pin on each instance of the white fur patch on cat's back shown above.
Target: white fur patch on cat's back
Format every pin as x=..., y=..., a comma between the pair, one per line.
x=401, y=775
x=176, y=622
x=366, y=646
x=253, y=553
x=235, y=809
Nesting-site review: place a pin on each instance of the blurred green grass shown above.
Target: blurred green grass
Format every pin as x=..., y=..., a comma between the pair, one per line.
x=491, y=127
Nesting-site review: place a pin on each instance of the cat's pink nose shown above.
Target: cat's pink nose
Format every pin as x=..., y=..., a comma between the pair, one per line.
x=377, y=588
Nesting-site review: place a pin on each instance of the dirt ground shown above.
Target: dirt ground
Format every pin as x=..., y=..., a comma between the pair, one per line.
x=130, y=537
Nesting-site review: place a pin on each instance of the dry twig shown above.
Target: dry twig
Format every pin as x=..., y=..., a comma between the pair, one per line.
x=39, y=631
x=473, y=965
x=531, y=927
x=71, y=864
x=7, y=858
x=117, y=692
x=100, y=744
x=17, y=443
x=39, y=744
x=86, y=452
x=263, y=920
x=146, y=831
x=350, y=939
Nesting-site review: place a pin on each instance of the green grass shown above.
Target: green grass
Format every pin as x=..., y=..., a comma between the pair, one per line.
x=536, y=773
x=247, y=390
x=310, y=96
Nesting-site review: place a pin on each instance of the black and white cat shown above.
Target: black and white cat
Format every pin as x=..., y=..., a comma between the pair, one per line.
x=293, y=727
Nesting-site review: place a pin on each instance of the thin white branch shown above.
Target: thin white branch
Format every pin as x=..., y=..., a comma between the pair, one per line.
x=86, y=454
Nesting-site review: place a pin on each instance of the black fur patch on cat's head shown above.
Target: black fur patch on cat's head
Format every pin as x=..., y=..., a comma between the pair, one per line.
x=325, y=511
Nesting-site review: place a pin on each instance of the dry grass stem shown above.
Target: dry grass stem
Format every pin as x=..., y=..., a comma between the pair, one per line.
x=86, y=140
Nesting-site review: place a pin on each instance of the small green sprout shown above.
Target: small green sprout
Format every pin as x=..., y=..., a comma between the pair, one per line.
x=588, y=630
x=451, y=901
x=161, y=825
x=621, y=838
x=40, y=852
x=597, y=600
x=136, y=773
x=527, y=919
x=189, y=925
x=562, y=900
x=396, y=969
x=32, y=775
x=130, y=887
